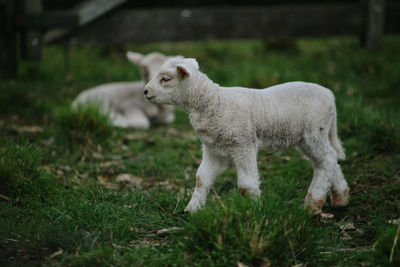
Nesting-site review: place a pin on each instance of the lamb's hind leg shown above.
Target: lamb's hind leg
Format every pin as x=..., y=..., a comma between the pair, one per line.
x=209, y=168
x=340, y=191
x=245, y=161
x=324, y=162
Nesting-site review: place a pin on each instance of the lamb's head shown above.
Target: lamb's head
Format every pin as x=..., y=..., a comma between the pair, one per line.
x=148, y=64
x=170, y=85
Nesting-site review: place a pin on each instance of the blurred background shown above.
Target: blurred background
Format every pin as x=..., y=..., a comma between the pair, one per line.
x=28, y=25
x=62, y=198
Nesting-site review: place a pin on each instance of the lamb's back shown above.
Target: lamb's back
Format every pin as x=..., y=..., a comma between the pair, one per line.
x=110, y=94
x=270, y=112
x=298, y=92
x=288, y=98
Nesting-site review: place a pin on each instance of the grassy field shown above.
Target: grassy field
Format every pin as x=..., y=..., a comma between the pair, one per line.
x=61, y=202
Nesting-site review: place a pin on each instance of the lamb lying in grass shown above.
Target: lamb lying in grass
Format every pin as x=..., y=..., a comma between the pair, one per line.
x=124, y=102
x=235, y=123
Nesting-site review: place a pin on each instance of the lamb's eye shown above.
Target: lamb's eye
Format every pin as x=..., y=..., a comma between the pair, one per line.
x=165, y=79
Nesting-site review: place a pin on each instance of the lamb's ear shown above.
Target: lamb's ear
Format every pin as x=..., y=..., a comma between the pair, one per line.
x=145, y=73
x=182, y=71
x=192, y=62
x=134, y=57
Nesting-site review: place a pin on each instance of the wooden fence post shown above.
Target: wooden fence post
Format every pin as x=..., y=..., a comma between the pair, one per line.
x=8, y=39
x=31, y=39
x=374, y=19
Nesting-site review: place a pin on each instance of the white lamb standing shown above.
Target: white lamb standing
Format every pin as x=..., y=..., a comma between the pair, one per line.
x=124, y=101
x=234, y=123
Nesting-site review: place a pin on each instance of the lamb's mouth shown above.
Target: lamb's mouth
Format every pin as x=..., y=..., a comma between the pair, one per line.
x=150, y=97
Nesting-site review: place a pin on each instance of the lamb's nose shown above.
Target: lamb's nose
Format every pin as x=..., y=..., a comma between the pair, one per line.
x=146, y=91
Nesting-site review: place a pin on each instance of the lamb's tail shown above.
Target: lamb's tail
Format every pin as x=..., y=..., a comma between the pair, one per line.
x=335, y=141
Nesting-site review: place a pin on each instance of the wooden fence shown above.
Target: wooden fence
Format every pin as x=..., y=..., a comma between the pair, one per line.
x=26, y=21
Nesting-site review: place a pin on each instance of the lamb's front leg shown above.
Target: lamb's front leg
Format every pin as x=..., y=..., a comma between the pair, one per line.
x=245, y=160
x=134, y=118
x=209, y=168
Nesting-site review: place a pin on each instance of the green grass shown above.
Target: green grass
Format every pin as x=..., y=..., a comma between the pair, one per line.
x=244, y=230
x=19, y=164
x=83, y=125
x=61, y=205
x=388, y=246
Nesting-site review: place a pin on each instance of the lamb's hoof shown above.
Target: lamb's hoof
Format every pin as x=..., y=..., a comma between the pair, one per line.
x=192, y=207
x=180, y=213
x=243, y=191
x=340, y=200
x=253, y=193
x=313, y=205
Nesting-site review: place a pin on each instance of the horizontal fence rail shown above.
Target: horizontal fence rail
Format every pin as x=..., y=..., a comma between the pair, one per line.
x=151, y=25
x=223, y=23
x=110, y=22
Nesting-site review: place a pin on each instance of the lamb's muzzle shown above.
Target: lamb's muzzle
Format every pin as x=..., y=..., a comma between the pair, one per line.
x=234, y=123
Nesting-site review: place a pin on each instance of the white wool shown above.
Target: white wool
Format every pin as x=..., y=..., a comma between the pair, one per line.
x=234, y=123
x=124, y=101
